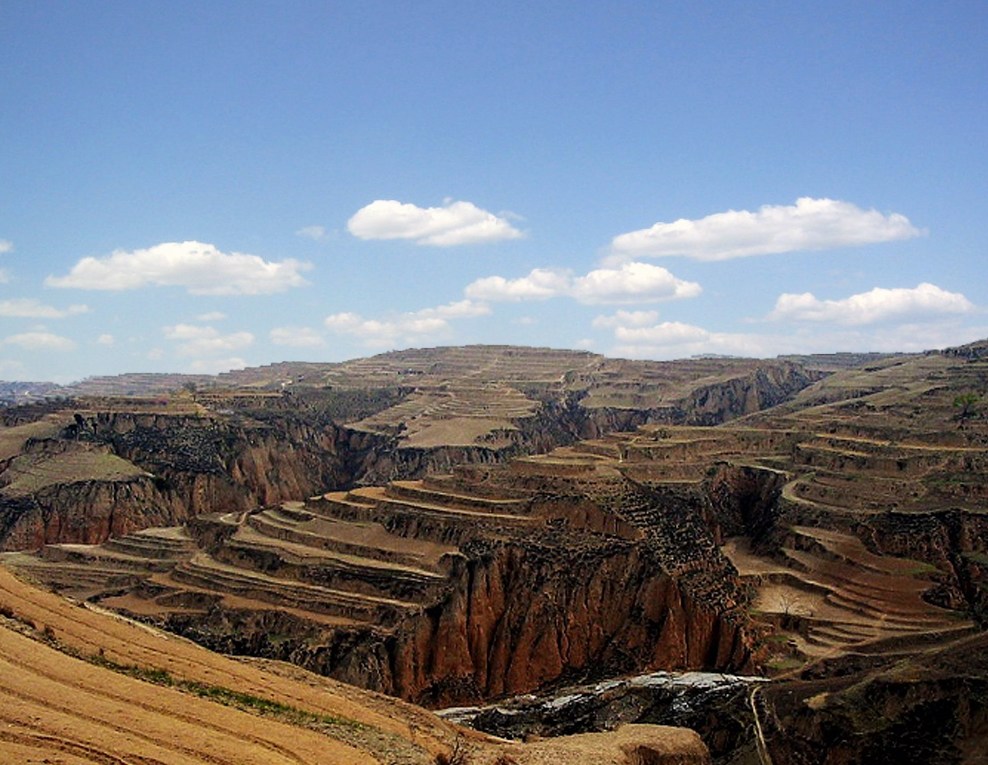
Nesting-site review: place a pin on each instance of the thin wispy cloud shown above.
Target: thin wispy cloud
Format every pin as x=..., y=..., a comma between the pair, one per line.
x=196, y=340
x=427, y=325
x=626, y=319
x=454, y=223
x=296, y=337
x=5, y=246
x=877, y=305
x=809, y=224
x=200, y=268
x=315, y=233
x=627, y=283
x=30, y=308
x=40, y=341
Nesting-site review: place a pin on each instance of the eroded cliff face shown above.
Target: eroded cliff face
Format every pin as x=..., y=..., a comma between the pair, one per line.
x=520, y=618
x=280, y=448
x=514, y=618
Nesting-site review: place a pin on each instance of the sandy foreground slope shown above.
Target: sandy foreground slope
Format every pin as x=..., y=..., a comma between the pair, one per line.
x=79, y=685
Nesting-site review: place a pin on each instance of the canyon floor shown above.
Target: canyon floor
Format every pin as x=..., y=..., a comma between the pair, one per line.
x=503, y=521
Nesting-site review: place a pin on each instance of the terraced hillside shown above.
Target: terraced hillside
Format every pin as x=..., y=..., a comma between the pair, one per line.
x=80, y=470
x=842, y=531
x=79, y=685
x=442, y=590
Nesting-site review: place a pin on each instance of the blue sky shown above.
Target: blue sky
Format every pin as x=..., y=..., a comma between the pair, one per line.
x=198, y=186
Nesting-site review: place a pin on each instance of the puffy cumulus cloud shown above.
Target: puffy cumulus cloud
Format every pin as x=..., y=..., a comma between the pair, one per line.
x=871, y=307
x=426, y=325
x=215, y=366
x=29, y=308
x=196, y=340
x=810, y=224
x=106, y=339
x=626, y=283
x=626, y=319
x=540, y=284
x=632, y=283
x=40, y=340
x=199, y=268
x=672, y=339
x=452, y=224
x=296, y=337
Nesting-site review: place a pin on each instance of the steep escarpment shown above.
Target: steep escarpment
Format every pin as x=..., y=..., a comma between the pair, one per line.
x=233, y=451
x=453, y=589
x=180, y=466
x=591, y=613
x=930, y=707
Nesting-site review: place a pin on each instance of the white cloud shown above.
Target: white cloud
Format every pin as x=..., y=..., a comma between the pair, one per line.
x=215, y=366
x=156, y=354
x=627, y=283
x=676, y=340
x=810, y=224
x=626, y=319
x=452, y=224
x=426, y=325
x=200, y=268
x=5, y=246
x=206, y=341
x=315, y=233
x=105, y=339
x=29, y=308
x=296, y=337
x=462, y=309
x=871, y=307
x=632, y=283
x=211, y=316
x=540, y=284
x=40, y=341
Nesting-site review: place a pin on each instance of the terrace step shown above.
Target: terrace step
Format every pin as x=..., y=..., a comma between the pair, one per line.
x=884, y=612
x=419, y=493
x=362, y=539
x=423, y=521
x=336, y=570
x=210, y=574
x=161, y=544
x=99, y=555
x=72, y=576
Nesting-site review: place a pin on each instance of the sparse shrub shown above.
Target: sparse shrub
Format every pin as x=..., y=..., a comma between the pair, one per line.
x=457, y=756
x=966, y=402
